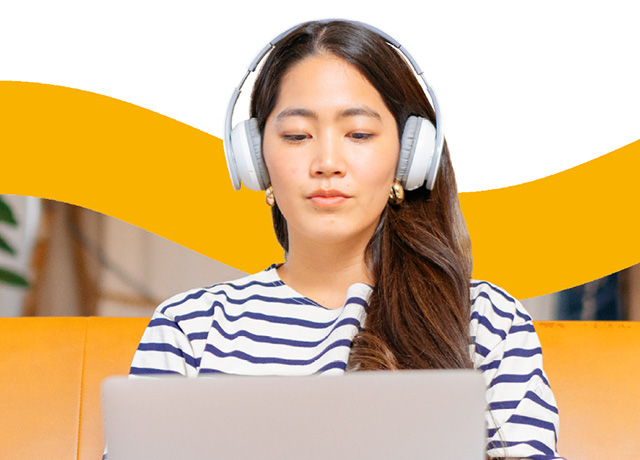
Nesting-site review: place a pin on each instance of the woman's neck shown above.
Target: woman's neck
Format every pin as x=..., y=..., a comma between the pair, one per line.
x=324, y=272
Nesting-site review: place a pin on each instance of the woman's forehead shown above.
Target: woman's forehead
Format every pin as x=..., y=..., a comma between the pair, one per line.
x=326, y=82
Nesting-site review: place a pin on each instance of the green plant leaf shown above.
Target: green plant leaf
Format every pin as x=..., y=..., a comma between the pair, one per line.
x=6, y=214
x=12, y=278
x=5, y=247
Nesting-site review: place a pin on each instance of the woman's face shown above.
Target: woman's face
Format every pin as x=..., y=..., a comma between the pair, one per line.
x=331, y=147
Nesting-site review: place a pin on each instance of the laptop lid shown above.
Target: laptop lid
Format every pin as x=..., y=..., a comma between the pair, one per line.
x=435, y=414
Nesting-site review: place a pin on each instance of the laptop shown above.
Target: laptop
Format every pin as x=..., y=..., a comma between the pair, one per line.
x=436, y=414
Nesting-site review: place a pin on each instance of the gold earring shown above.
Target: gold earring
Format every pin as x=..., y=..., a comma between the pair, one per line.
x=269, y=198
x=396, y=194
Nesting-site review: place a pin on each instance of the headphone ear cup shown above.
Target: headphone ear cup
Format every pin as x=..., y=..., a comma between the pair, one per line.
x=255, y=143
x=407, y=149
x=246, y=144
x=416, y=153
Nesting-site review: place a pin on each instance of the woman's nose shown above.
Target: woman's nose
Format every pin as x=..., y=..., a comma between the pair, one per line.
x=329, y=159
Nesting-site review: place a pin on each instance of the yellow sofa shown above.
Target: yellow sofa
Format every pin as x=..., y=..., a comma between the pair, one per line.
x=51, y=369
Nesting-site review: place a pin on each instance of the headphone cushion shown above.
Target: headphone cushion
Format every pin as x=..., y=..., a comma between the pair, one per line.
x=255, y=148
x=417, y=162
x=246, y=156
x=408, y=142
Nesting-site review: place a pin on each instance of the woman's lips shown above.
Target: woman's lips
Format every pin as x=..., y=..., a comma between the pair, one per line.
x=328, y=198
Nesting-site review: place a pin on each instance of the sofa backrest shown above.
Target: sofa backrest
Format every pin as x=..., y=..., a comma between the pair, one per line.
x=51, y=369
x=594, y=371
x=50, y=374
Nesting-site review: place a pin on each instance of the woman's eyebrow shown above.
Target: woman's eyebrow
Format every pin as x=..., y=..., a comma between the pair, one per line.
x=359, y=111
x=350, y=112
x=296, y=112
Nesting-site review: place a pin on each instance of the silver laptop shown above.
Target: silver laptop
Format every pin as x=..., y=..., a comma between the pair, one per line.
x=359, y=416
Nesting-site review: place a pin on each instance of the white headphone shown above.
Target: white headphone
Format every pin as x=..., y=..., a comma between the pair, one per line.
x=420, y=147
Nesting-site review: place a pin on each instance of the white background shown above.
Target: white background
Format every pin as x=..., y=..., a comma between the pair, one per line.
x=527, y=89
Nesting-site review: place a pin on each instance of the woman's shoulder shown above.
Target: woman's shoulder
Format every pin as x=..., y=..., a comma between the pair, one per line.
x=199, y=300
x=493, y=302
x=496, y=315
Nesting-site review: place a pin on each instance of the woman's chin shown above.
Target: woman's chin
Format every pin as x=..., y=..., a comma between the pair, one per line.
x=332, y=234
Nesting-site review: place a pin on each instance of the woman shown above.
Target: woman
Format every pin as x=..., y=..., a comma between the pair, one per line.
x=374, y=278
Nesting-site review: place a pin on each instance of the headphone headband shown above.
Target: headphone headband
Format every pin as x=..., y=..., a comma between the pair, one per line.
x=439, y=137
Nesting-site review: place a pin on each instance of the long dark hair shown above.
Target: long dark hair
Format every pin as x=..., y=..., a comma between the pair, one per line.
x=419, y=255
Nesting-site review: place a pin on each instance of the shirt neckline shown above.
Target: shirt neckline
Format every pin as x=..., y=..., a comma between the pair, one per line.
x=360, y=291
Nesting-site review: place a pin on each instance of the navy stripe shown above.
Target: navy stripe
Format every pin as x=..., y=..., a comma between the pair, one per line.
x=522, y=327
x=546, y=450
x=192, y=296
x=196, y=314
x=522, y=420
x=537, y=399
x=487, y=324
x=276, y=319
x=197, y=336
x=522, y=315
x=333, y=365
x=196, y=295
x=498, y=405
x=530, y=395
x=274, y=360
x=294, y=300
x=163, y=322
x=240, y=287
x=256, y=316
x=151, y=371
x=231, y=300
x=494, y=288
x=357, y=301
x=210, y=371
x=290, y=301
x=279, y=341
x=492, y=365
x=518, y=378
x=523, y=353
x=167, y=348
x=482, y=351
x=498, y=312
x=268, y=299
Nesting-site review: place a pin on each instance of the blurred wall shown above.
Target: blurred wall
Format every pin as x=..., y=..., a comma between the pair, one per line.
x=91, y=264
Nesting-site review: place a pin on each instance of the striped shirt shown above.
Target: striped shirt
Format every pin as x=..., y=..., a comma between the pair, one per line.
x=258, y=325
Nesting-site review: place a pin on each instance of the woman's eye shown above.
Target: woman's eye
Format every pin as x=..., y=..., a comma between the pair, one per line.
x=358, y=136
x=295, y=137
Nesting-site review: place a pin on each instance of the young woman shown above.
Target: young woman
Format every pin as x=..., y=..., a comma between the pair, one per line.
x=375, y=277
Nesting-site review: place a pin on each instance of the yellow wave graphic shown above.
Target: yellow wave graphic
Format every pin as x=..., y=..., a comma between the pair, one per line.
x=171, y=179
x=559, y=231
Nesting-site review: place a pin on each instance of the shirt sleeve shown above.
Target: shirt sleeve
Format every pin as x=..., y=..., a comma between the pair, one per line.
x=165, y=347
x=522, y=417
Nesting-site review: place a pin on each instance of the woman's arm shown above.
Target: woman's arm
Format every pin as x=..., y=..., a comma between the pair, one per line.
x=522, y=417
x=164, y=349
